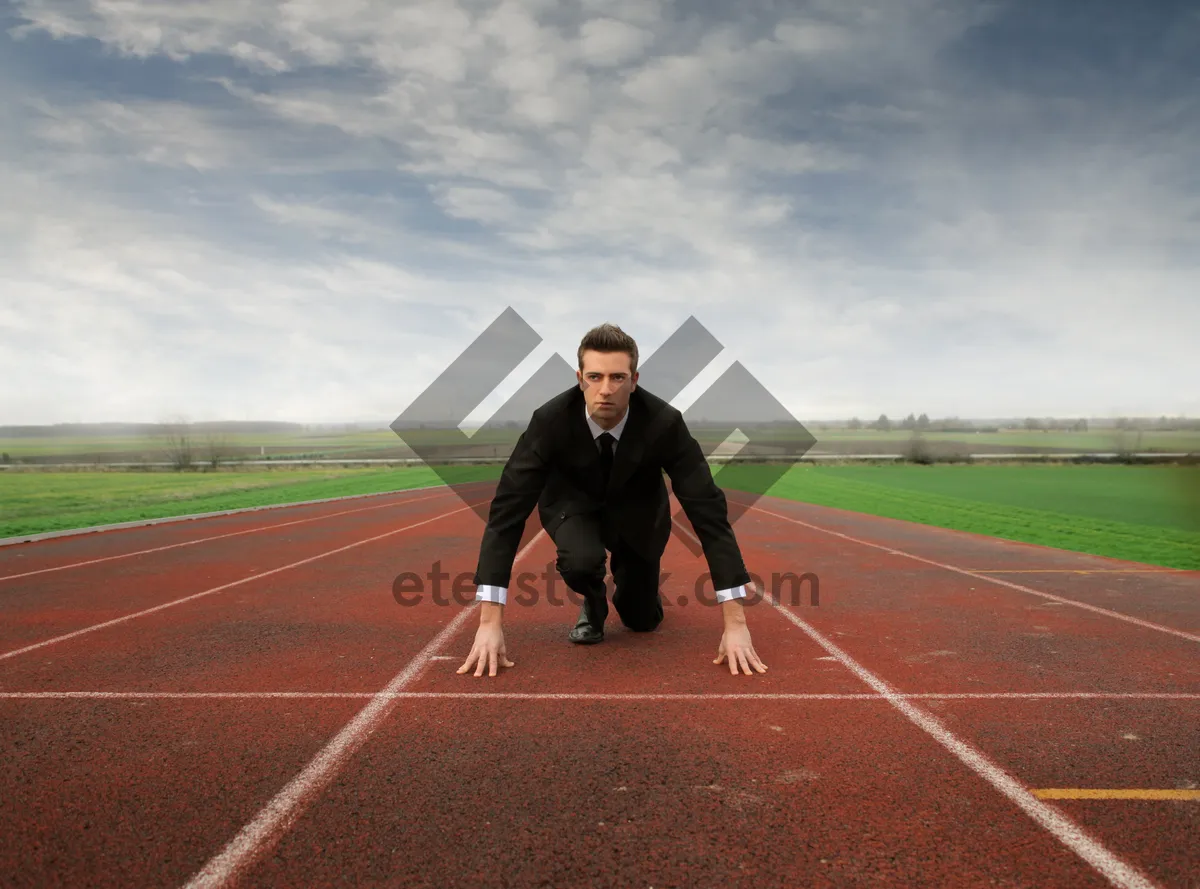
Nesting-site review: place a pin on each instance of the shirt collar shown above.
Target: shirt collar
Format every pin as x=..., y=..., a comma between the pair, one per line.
x=597, y=429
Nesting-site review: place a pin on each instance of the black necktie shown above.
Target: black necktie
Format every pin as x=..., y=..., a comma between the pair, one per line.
x=606, y=456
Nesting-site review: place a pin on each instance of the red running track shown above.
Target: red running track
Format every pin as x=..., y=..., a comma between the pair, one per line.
x=211, y=713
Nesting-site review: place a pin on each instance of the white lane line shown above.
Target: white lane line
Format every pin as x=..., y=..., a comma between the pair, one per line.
x=261, y=834
x=1066, y=831
x=157, y=549
x=601, y=696
x=1055, y=695
x=1182, y=634
x=217, y=589
x=1079, y=570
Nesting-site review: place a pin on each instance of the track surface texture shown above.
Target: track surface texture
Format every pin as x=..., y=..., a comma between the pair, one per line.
x=241, y=701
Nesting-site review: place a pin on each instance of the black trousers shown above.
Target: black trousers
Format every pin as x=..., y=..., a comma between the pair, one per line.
x=582, y=542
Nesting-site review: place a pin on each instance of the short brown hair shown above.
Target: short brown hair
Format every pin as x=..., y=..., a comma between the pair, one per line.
x=609, y=338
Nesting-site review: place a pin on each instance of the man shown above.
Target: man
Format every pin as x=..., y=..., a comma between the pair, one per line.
x=592, y=459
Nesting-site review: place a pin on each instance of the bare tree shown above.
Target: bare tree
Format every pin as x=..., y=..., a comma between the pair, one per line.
x=177, y=441
x=1128, y=440
x=216, y=448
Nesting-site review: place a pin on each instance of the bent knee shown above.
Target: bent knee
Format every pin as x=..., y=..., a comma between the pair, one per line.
x=585, y=565
x=642, y=623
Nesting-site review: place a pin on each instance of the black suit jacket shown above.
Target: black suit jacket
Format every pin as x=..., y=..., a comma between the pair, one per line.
x=555, y=464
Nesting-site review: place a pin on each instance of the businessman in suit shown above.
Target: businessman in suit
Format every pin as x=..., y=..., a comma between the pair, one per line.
x=592, y=459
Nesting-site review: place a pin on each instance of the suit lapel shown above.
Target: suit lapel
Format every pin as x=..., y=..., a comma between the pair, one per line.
x=582, y=433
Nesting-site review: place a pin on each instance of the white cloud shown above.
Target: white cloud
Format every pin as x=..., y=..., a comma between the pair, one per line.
x=255, y=56
x=811, y=38
x=167, y=133
x=484, y=205
x=605, y=42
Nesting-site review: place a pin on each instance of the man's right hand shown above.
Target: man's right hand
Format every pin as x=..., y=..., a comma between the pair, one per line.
x=488, y=650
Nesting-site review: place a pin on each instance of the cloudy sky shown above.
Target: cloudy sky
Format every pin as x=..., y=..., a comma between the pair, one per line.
x=305, y=210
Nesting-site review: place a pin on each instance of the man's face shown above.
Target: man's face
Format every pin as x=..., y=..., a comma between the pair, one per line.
x=607, y=384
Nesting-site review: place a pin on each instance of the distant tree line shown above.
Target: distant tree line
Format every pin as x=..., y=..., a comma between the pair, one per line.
x=1176, y=424
x=923, y=423
x=214, y=427
x=1131, y=424
x=1053, y=424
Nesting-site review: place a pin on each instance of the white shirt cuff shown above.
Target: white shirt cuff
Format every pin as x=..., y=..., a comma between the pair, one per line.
x=737, y=592
x=485, y=593
x=499, y=594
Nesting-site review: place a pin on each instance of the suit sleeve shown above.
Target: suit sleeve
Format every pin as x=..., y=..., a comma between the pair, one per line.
x=704, y=504
x=517, y=493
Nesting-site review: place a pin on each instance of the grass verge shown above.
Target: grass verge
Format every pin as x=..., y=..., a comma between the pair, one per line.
x=36, y=502
x=1148, y=514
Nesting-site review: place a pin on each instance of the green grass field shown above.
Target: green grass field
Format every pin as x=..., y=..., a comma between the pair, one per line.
x=1146, y=514
x=34, y=502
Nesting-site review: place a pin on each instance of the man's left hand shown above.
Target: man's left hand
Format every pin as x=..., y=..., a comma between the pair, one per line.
x=737, y=649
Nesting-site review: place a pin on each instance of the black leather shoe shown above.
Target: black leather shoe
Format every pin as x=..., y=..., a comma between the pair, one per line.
x=589, y=629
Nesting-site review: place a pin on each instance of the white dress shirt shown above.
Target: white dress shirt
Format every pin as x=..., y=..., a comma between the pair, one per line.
x=486, y=593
